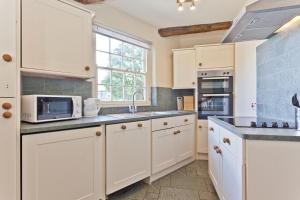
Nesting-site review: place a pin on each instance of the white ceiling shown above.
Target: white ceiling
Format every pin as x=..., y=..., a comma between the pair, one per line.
x=163, y=13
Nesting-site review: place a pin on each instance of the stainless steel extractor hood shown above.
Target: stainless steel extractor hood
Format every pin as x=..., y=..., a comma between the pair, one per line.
x=259, y=20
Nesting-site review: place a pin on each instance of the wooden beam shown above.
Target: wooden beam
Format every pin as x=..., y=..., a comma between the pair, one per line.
x=200, y=28
x=89, y=1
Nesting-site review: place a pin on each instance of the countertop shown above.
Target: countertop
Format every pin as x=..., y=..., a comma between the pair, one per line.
x=28, y=128
x=275, y=134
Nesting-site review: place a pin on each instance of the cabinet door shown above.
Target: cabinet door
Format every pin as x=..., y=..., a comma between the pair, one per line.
x=8, y=60
x=184, y=69
x=185, y=142
x=56, y=36
x=202, y=136
x=215, y=56
x=163, y=150
x=8, y=147
x=128, y=152
x=232, y=177
x=66, y=165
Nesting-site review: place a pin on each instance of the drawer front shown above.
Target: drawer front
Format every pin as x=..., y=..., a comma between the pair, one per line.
x=230, y=141
x=213, y=131
x=185, y=120
x=128, y=126
x=163, y=123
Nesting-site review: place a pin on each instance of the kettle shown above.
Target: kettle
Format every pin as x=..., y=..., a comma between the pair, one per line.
x=91, y=107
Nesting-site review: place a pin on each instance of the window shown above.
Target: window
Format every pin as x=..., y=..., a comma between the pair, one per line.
x=122, y=70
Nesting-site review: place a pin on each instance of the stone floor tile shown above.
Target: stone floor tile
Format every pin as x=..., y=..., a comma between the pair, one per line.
x=134, y=192
x=164, y=181
x=192, y=183
x=154, y=188
x=208, y=196
x=151, y=196
x=177, y=194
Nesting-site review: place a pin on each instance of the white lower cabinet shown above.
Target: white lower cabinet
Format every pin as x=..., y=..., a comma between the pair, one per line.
x=128, y=154
x=65, y=165
x=172, y=145
x=202, y=137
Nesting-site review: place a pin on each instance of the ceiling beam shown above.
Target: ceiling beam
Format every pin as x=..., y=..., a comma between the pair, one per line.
x=200, y=28
x=89, y=1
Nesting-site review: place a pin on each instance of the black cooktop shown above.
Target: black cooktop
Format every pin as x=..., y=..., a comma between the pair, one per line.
x=253, y=122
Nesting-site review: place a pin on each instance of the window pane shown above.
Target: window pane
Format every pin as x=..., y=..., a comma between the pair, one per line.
x=129, y=80
x=127, y=50
x=117, y=79
x=116, y=61
x=115, y=46
x=138, y=65
x=102, y=43
x=138, y=52
x=127, y=64
x=104, y=92
x=117, y=93
x=140, y=81
x=128, y=93
x=102, y=59
x=140, y=96
x=103, y=77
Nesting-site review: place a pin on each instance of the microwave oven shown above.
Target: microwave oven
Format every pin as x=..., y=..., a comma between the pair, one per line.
x=46, y=108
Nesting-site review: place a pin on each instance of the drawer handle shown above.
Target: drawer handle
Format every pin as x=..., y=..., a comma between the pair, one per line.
x=140, y=125
x=200, y=126
x=226, y=141
x=87, y=68
x=124, y=127
x=98, y=133
x=216, y=147
x=186, y=120
x=7, y=115
x=218, y=151
x=7, y=57
x=176, y=132
x=6, y=106
x=211, y=129
x=165, y=123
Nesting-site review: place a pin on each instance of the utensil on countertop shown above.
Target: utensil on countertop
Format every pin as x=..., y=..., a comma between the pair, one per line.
x=296, y=104
x=295, y=101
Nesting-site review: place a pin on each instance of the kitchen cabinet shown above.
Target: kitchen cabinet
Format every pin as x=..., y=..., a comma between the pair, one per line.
x=8, y=148
x=57, y=37
x=128, y=154
x=64, y=165
x=8, y=45
x=202, y=137
x=184, y=69
x=173, y=143
x=214, y=56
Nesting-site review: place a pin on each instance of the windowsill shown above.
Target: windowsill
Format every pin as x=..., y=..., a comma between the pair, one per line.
x=124, y=104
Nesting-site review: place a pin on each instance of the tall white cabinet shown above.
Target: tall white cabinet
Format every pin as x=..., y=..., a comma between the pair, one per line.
x=57, y=37
x=64, y=165
x=8, y=45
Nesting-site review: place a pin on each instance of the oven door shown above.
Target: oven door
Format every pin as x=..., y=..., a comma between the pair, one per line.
x=216, y=85
x=215, y=105
x=54, y=108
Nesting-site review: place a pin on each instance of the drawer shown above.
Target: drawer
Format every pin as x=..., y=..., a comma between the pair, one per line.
x=128, y=126
x=163, y=123
x=230, y=141
x=213, y=131
x=185, y=120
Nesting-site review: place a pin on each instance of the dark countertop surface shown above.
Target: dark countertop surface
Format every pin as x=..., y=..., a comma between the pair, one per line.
x=28, y=128
x=275, y=134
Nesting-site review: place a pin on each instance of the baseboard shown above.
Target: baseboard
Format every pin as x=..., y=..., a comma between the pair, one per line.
x=202, y=156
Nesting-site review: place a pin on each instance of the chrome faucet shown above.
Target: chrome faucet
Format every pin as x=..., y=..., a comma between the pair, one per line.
x=133, y=107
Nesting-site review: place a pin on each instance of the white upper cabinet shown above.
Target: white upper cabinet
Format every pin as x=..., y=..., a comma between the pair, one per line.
x=215, y=56
x=8, y=60
x=57, y=37
x=184, y=69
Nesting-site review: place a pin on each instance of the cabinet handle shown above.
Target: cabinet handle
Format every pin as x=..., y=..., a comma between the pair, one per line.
x=193, y=83
x=98, y=133
x=226, y=140
x=7, y=57
x=123, y=127
x=165, y=123
x=7, y=115
x=140, y=125
x=87, y=68
x=200, y=64
x=186, y=120
x=216, y=147
x=211, y=129
x=200, y=126
x=6, y=106
x=176, y=132
x=218, y=151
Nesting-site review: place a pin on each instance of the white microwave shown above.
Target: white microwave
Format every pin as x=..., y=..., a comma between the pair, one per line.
x=46, y=108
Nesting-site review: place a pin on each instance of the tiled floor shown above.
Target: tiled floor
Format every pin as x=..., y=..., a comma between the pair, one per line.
x=188, y=183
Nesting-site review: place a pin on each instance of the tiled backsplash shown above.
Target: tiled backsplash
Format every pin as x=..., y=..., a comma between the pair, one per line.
x=278, y=74
x=161, y=98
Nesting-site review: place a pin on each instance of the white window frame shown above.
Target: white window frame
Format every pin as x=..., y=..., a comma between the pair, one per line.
x=137, y=42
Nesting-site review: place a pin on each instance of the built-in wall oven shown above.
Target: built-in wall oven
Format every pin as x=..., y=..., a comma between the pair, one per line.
x=215, y=96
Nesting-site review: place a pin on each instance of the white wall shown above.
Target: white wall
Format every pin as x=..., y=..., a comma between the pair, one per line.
x=245, y=78
x=162, y=54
